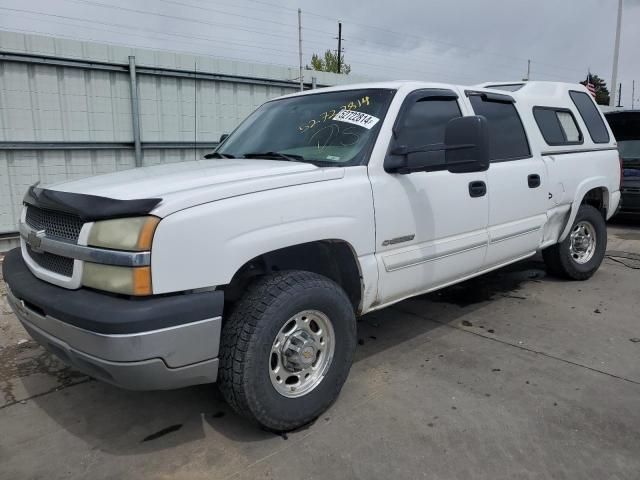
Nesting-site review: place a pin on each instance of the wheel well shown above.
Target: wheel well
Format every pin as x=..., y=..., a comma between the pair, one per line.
x=597, y=198
x=334, y=259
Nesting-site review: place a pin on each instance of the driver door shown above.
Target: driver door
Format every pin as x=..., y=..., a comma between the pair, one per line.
x=431, y=227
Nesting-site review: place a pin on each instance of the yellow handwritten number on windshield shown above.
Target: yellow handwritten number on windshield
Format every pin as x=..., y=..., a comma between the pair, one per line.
x=329, y=114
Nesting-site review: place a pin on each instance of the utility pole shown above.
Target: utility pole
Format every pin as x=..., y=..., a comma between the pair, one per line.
x=300, y=48
x=633, y=94
x=528, y=77
x=619, y=95
x=339, y=45
x=135, y=111
x=616, y=53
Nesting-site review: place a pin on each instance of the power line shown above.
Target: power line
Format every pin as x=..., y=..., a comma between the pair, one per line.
x=134, y=45
x=188, y=19
x=431, y=74
x=364, y=25
x=136, y=34
x=404, y=34
x=374, y=65
x=72, y=37
x=196, y=37
x=214, y=10
x=458, y=46
x=250, y=46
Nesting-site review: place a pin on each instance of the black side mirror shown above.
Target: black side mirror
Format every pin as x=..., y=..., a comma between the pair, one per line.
x=466, y=142
x=223, y=137
x=465, y=149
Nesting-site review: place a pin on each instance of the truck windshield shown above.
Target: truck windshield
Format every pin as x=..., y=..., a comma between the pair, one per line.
x=333, y=128
x=629, y=149
x=626, y=128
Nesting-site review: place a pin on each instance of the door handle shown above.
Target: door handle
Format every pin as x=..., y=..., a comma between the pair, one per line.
x=533, y=180
x=477, y=189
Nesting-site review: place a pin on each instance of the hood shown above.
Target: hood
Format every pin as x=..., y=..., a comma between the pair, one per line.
x=185, y=184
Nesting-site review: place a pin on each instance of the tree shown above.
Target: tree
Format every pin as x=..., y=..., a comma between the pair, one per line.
x=602, y=92
x=328, y=63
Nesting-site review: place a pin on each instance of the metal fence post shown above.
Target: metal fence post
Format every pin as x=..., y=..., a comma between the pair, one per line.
x=135, y=119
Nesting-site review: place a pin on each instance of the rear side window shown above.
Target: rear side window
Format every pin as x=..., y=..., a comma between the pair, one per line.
x=507, y=138
x=591, y=116
x=558, y=127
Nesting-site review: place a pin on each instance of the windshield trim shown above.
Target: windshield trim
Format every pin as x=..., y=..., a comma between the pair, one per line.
x=365, y=154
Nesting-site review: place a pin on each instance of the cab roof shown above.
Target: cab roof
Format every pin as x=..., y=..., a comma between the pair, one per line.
x=532, y=90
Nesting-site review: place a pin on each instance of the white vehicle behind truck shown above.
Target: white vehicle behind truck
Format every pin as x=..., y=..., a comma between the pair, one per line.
x=250, y=268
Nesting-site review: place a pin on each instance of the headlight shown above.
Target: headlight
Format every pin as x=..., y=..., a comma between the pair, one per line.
x=131, y=234
x=125, y=280
x=135, y=233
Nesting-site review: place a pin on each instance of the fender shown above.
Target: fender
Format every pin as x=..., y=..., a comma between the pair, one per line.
x=581, y=190
x=204, y=246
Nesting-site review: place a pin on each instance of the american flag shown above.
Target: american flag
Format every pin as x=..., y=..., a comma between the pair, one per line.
x=590, y=86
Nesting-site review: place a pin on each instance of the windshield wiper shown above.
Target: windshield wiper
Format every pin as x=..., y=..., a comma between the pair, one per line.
x=218, y=155
x=275, y=155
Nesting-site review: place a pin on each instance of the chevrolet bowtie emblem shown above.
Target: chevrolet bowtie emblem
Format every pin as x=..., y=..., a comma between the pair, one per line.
x=34, y=240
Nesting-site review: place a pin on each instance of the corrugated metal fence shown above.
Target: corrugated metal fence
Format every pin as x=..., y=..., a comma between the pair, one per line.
x=67, y=109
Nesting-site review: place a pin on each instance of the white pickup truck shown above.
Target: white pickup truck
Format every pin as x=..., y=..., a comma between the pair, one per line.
x=250, y=268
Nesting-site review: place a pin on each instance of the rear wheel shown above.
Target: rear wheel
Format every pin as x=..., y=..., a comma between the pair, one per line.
x=287, y=349
x=579, y=255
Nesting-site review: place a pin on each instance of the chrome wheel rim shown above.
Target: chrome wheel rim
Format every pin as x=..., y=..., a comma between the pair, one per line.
x=583, y=242
x=301, y=353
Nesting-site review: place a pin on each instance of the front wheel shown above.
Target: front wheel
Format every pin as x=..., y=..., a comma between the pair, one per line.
x=579, y=255
x=287, y=349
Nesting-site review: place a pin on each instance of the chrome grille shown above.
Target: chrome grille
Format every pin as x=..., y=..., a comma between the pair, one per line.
x=53, y=263
x=60, y=225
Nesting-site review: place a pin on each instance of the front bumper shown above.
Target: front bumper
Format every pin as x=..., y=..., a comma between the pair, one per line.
x=155, y=343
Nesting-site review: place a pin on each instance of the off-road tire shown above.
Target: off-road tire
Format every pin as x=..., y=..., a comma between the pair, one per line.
x=249, y=332
x=558, y=257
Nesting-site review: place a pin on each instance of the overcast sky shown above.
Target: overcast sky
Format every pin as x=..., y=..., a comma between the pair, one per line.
x=461, y=41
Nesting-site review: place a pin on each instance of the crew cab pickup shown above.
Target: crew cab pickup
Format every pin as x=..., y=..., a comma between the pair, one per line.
x=250, y=267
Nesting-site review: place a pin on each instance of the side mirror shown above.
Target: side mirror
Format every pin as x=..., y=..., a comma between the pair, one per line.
x=223, y=137
x=466, y=142
x=465, y=149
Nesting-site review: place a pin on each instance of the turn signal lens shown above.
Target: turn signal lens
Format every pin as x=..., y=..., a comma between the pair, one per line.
x=128, y=281
x=142, y=281
x=146, y=233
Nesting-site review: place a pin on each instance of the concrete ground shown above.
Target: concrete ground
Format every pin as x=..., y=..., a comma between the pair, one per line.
x=512, y=375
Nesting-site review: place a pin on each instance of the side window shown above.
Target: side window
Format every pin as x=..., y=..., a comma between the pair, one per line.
x=507, y=138
x=591, y=116
x=424, y=122
x=558, y=127
x=570, y=127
